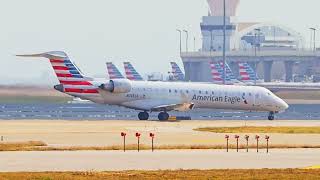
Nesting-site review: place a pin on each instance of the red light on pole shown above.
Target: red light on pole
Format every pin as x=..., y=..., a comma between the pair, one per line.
x=237, y=138
x=124, y=141
x=257, y=138
x=152, y=138
x=227, y=137
x=247, y=139
x=267, y=138
x=138, y=137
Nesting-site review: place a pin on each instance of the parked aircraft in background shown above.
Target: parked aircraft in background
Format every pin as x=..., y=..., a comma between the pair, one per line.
x=147, y=96
x=113, y=71
x=178, y=75
x=247, y=74
x=131, y=72
x=218, y=76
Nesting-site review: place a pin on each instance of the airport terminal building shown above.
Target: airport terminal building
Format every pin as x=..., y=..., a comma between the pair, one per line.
x=275, y=51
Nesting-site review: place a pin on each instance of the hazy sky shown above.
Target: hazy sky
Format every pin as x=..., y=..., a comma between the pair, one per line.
x=142, y=31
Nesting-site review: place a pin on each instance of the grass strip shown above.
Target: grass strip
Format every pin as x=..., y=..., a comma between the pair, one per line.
x=262, y=129
x=40, y=146
x=283, y=174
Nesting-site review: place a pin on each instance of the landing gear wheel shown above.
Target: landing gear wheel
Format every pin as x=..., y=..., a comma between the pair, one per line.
x=143, y=116
x=271, y=116
x=163, y=116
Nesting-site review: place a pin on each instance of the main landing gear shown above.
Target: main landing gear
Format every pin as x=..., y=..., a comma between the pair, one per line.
x=143, y=115
x=163, y=116
x=271, y=116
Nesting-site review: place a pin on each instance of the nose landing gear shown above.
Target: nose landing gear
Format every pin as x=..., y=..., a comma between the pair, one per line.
x=143, y=115
x=271, y=116
x=163, y=116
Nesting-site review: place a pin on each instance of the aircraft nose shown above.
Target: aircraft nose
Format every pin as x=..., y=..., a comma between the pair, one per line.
x=283, y=105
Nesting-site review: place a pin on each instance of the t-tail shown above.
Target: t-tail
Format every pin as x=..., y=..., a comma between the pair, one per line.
x=113, y=71
x=247, y=74
x=72, y=80
x=131, y=73
x=177, y=72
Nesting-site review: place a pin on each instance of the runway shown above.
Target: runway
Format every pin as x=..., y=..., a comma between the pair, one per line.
x=159, y=160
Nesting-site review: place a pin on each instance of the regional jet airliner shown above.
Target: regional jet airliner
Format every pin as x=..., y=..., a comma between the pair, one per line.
x=162, y=97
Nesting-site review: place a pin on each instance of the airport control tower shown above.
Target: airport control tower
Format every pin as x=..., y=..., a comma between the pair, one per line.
x=212, y=25
x=275, y=51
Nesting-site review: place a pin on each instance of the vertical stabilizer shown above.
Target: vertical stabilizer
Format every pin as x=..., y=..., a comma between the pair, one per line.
x=131, y=73
x=113, y=71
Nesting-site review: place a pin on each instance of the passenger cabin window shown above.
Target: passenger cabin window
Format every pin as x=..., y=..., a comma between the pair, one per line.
x=169, y=90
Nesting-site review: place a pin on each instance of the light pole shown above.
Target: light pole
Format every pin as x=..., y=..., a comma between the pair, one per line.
x=180, y=33
x=187, y=39
x=313, y=33
x=211, y=41
x=257, y=30
x=194, y=43
x=224, y=42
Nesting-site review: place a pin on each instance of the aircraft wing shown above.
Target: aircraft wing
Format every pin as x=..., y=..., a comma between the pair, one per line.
x=159, y=105
x=174, y=107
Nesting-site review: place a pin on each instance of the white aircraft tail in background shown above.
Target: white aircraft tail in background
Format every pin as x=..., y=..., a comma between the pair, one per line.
x=178, y=75
x=131, y=72
x=113, y=71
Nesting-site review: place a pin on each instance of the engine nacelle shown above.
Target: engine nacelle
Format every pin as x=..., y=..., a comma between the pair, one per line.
x=117, y=86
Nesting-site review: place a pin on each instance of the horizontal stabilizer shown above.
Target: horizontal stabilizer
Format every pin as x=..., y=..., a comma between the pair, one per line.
x=49, y=55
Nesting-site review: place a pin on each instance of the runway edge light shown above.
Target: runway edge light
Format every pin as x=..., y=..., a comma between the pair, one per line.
x=152, y=135
x=123, y=134
x=247, y=139
x=237, y=138
x=227, y=138
x=257, y=138
x=267, y=138
x=138, y=135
